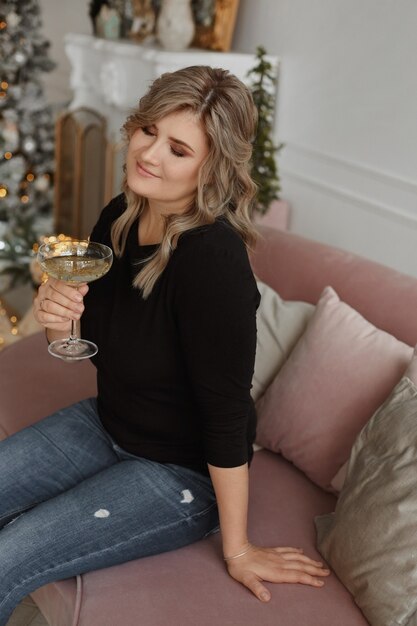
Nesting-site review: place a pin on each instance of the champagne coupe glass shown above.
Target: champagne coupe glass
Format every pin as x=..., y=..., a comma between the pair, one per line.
x=75, y=262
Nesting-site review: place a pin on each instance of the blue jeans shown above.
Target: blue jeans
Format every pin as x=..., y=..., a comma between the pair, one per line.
x=72, y=501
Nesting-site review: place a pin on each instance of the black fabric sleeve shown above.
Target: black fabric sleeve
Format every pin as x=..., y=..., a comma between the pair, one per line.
x=216, y=302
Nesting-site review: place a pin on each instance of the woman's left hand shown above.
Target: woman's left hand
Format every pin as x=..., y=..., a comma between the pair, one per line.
x=275, y=565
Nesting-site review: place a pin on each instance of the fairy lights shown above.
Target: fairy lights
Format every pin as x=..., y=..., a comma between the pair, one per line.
x=11, y=322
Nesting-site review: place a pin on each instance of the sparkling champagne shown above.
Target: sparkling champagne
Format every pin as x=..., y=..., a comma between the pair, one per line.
x=74, y=262
x=75, y=269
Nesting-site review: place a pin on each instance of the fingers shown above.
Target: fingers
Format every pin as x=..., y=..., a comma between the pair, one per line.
x=254, y=584
x=56, y=303
x=276, y=565
x=295, y=561
x=287, y=549
x=297, y=577
x=295, y=553
x=296, y=556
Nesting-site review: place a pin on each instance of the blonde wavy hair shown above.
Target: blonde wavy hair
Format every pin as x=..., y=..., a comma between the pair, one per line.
x=224, y=107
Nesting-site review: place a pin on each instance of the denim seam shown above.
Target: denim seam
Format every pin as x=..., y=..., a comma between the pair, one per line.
x=52, y=442
x=20, y=511
x=96, y=429
x=90, y=554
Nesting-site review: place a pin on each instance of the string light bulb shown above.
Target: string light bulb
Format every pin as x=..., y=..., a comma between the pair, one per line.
x=14, y=330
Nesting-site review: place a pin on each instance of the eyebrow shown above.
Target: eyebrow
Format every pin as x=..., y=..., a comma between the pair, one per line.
x=181, y=143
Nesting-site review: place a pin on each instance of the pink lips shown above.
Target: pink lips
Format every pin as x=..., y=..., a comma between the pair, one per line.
x=144, y=172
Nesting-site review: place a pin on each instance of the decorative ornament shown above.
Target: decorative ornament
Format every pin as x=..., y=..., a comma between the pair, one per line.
x=20, y=57
x=10, y=134
x=42, y=183
x=15, y=91
x=94, y=9
x=175, y=25
x=108, y=23
x=13, y=20
x=29, y=145
x=143, y=23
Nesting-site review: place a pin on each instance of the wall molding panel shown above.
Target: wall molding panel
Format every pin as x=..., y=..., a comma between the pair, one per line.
x=380, y=192
x=367, y=211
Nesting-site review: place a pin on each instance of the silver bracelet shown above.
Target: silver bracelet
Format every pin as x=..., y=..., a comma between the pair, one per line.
x=236, y=556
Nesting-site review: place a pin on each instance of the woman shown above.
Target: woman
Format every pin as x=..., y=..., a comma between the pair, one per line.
x=161, y=457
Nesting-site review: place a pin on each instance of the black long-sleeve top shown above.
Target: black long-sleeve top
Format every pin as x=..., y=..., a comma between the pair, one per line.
x=174, y=371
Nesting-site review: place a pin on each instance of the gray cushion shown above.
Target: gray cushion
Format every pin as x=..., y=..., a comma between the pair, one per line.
x=371, y=539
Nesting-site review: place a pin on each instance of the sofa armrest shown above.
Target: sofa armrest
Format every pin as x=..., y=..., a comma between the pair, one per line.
x=299, y=269
x=33, y=384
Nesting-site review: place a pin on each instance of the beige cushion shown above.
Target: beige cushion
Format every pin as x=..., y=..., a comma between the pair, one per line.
x=279, y=325
x=371, y=539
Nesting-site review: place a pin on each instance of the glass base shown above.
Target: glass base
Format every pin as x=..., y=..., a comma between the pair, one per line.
x=72, y=349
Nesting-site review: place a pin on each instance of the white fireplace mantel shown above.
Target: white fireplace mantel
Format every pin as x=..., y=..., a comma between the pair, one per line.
x=110, y=76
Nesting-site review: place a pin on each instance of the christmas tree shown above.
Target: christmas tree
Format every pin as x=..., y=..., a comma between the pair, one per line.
x=264, y=165
x=26, y=139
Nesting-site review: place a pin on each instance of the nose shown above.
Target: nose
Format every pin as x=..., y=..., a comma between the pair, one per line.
x=150, y=154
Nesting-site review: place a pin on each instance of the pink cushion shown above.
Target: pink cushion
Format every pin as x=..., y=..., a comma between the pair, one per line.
x=340, y=371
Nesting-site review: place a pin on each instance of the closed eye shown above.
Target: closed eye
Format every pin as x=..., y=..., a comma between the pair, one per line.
x=177, y=152
x=146, y=130
x=151, y=133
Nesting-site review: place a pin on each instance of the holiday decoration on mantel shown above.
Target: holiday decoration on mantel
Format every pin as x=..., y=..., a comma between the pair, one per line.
x=26, y=139
x=175, y=25
x=143, y=21
x=108, y=23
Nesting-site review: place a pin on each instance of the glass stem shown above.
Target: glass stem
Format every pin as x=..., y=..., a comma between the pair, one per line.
x=73, y=336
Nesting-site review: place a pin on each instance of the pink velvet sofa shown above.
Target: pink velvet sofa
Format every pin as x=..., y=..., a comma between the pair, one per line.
x=190, y=587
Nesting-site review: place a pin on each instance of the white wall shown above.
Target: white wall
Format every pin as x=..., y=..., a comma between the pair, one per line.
x=60, y=17
x=346, y=112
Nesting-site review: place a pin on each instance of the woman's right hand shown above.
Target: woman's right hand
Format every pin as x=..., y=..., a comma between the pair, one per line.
x=56, y=304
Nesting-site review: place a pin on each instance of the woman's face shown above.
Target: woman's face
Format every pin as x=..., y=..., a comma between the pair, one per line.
x=163, y=161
